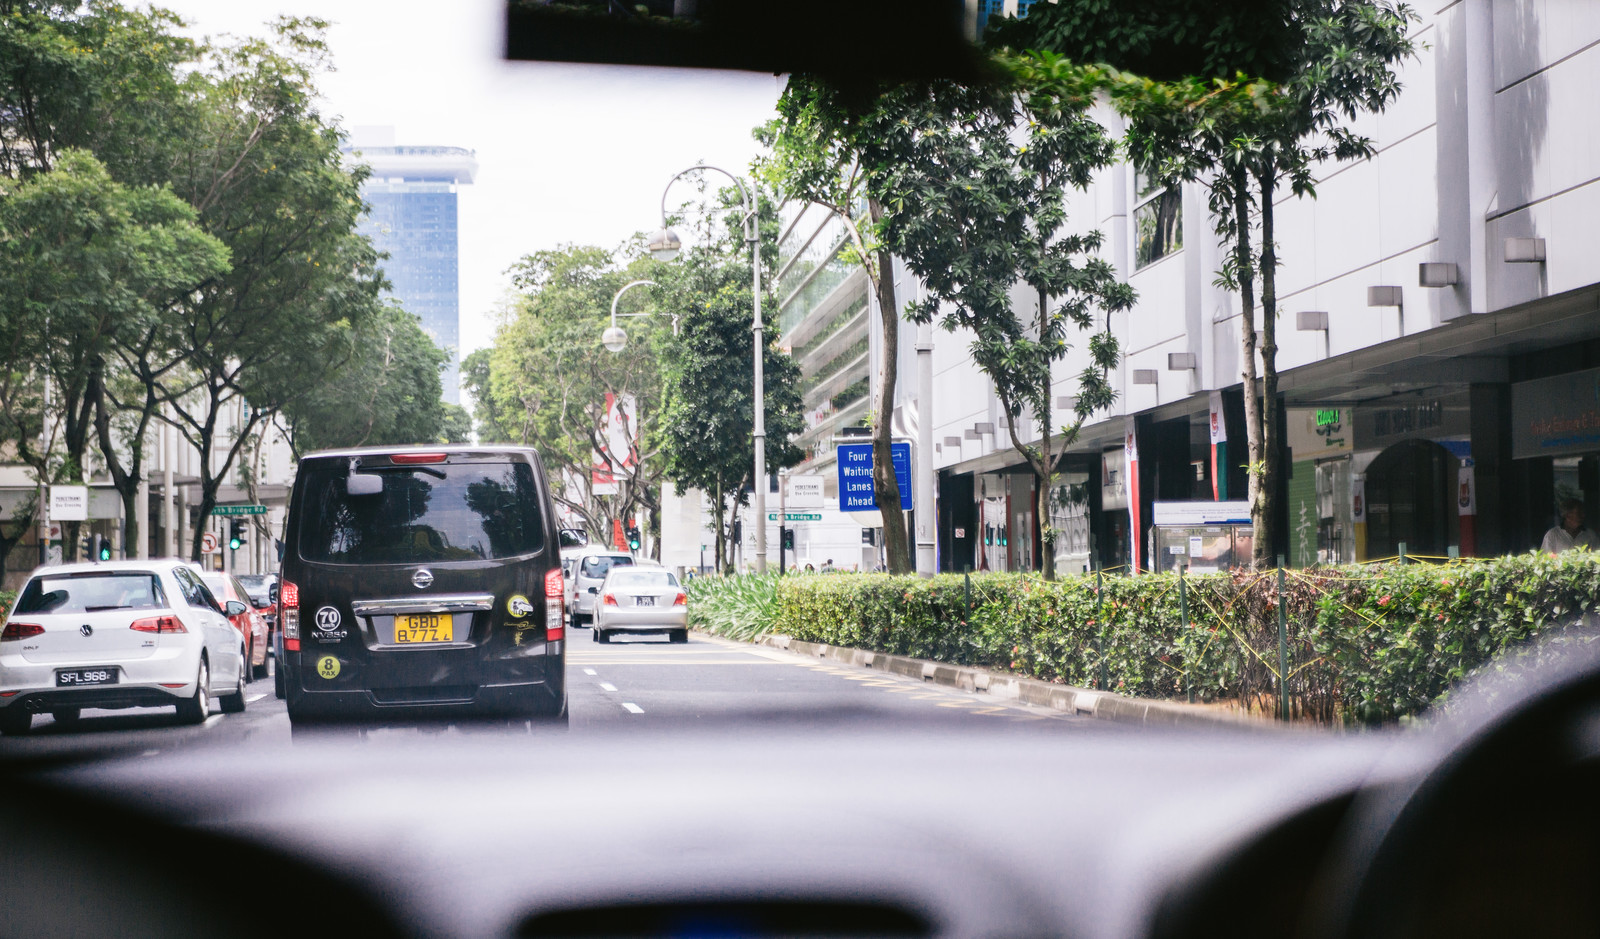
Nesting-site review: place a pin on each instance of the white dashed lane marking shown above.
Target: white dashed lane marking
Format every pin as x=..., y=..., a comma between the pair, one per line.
x=632, y=708
x=257, y=697
x=608, y=686
x=590, y=671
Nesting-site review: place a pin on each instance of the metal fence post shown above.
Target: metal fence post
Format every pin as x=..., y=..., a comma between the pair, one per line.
x=1402, y=552
x=1183, y=611
x=1100, y=629
x=1283, y=646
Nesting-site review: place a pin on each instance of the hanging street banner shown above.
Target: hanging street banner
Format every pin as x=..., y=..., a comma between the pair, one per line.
x=238, y=510
x=856, y=492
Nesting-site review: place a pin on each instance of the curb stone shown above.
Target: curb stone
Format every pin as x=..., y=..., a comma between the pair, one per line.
x=1101, y=705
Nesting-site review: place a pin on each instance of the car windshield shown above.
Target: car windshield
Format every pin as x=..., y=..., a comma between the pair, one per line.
x=638, y=578
x=445, y=512
x=1156, y=371
x=598, y=566
x=259, y=587
x=90, y=593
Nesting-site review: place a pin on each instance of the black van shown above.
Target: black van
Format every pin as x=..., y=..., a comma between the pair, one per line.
x=422, y=584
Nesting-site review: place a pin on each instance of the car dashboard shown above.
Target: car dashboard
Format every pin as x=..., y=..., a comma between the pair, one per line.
x=836, y=826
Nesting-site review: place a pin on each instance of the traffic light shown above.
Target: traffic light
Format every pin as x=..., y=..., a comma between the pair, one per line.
x=788, y=539
x=235, y=533
x=86, y=549
x=104, y=552
x=634, y=539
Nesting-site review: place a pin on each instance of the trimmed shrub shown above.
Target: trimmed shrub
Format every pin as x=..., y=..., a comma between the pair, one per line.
x=1367, y=644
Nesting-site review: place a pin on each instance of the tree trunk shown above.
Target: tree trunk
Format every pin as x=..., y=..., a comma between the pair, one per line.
x=1247, y=326
x=716, y=554
x=126, y=480
x=896, y=541
x=1268, y=537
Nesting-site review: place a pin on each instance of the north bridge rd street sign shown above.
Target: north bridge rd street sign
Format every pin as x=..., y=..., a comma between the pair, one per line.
x=856, y=493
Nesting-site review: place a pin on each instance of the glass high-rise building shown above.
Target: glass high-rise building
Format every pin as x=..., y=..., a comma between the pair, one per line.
x=412, y=195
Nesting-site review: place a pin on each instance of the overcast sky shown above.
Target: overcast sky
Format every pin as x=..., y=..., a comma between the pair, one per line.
x=566, y=153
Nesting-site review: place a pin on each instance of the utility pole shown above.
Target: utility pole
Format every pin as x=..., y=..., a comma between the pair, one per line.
x=927, y=521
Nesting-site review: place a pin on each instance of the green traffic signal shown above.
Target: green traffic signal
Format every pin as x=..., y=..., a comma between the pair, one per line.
x=105, y=549
x=234, y=543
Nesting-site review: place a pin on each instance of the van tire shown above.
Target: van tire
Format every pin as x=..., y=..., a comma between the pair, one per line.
x=14, y=721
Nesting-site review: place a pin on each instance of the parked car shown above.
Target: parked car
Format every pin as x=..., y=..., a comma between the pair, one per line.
x=117, y=635
x=642, y=600
x=589, y=569
x=241, y=612
x=422, y=584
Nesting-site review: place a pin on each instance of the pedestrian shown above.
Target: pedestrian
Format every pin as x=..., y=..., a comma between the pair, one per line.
x=1570, y=533
x=827, y=566
x=810, y=568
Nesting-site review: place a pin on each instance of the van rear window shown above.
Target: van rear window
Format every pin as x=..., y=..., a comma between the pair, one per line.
x=437, y=512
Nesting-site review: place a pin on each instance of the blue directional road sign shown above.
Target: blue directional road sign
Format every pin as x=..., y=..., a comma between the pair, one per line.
x=856, y=493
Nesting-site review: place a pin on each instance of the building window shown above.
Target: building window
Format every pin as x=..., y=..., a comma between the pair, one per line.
x=1157, y=220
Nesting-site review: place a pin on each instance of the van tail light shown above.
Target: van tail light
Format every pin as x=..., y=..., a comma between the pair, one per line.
x=15, y=631
x=289, y=612
x=609, y=599
x=158, y=624
x=681, y=599
x=291, y=645
x=412, y=459
x=555, y=594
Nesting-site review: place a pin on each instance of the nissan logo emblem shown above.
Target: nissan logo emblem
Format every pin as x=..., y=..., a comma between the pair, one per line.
x=422, y=579
x=86, y=629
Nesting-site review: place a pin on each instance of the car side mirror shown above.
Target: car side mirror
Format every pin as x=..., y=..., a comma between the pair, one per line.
x=594, y=590
x=272, y=591
x=364, y=484
x=234, y=608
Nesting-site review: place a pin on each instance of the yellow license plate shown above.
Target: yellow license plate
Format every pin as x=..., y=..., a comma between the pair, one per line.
x=424, y=627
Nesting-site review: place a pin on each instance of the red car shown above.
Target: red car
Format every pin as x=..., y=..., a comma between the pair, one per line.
x=241, y=612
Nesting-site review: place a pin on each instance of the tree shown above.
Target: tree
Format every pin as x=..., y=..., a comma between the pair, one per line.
x=977, y=180
x=89, y=261
x=264, y=173
x=550, y=381
x=821, y=152
x=1272, y=103
x=708, y=427
x=98, y=78
x=388, y=393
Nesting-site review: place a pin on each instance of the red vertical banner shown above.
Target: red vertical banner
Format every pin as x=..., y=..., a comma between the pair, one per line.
x=1219, y=447
x=1467, y=508
x=619, y=538
x=1130, y=451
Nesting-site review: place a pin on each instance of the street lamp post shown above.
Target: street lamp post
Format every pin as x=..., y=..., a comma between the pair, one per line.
x=664, y=245
x=614, y=339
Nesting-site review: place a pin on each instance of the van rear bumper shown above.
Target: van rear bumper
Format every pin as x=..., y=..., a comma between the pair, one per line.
x=453, y=697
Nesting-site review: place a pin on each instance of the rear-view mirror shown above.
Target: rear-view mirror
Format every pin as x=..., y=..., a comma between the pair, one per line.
x=234, y=608
x=594, y=590
x=364, y=484
x=930, y=38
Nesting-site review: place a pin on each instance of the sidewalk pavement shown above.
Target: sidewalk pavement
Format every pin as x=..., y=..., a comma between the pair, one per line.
x=1102, y=705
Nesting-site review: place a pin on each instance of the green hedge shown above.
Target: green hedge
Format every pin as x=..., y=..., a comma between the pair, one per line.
x=1367, y=644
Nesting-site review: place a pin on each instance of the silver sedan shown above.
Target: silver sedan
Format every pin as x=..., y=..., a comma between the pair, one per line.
x=641, y=600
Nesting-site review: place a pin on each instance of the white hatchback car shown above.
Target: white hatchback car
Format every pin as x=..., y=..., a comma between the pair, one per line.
x=118, y=634
x=641, y=600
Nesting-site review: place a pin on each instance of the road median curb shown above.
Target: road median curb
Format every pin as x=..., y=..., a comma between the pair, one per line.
x=1101, y=705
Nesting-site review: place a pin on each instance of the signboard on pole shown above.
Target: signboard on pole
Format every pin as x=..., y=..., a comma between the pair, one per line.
x=238, y=510
x=209, y=543
x=856, y=491
x=69, y=503
x=796, y=516
x=805, y=492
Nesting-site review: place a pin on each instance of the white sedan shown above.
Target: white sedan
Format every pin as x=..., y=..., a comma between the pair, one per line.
x=117, y=635
x=641, y=600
